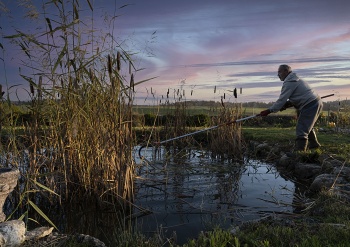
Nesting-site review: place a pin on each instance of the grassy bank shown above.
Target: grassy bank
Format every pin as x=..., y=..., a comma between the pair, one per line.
x=333, y=142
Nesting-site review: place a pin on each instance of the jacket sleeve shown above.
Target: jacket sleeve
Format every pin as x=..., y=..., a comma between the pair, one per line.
x=286, y=91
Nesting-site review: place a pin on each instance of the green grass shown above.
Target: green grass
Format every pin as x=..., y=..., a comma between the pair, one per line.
x=196, y=110
x=163, y=110
x=211, y=111
x=273, y=134
x=332, y=142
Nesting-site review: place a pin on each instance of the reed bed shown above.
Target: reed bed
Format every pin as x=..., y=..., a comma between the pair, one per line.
x=79, y=140
x=226, y=141
x=91, y=134
x=175, y=124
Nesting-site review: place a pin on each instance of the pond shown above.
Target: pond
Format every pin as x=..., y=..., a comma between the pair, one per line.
x=190, y=192
x=184, y=191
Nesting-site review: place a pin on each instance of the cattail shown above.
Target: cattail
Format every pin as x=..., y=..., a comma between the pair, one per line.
x=240, y=91
x=91, y=75
x=224, y=96
x=118, y=61
x=75, y=83
x=132, y=84
x=39, y=87
x=215, y=89
x=235, y=93
x=109, y=65
x=31, y=88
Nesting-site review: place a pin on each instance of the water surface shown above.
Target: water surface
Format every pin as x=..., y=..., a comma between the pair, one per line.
x=189, y=192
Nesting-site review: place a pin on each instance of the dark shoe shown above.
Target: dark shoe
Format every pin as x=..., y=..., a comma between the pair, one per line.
x=300, y=144
x=313, y=142
x=314, y=145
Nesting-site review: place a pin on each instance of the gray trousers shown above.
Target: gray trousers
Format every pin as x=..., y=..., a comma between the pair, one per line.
x=307, y=118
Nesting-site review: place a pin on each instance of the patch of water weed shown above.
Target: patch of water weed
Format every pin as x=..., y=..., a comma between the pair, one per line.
x=330, y=208
x=297, y=234
x=217, y=237
x=136, y=239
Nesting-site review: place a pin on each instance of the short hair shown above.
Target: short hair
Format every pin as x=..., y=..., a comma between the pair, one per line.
x=286, y=67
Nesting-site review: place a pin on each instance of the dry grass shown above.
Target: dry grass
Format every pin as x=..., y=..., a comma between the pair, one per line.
x=226, y=141
x=223, y=140
x=80, y=139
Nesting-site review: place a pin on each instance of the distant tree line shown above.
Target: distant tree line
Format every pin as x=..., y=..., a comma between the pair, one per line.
x=19, y=113
x=331, y=105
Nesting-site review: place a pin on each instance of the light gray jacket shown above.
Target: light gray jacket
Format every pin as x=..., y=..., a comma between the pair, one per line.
x=297, y=91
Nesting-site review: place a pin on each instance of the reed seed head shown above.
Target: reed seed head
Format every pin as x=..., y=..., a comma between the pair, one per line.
x=132, y=84
x=31, y=88
x=118, y=61
x=109, y=65
x=39, y=86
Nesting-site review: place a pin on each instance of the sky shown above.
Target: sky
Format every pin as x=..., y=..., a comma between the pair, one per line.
x=205, y=49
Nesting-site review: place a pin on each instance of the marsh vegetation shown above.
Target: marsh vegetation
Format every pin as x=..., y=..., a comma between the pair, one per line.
x=74, y=140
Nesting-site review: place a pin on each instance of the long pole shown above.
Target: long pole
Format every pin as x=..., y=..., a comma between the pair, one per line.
x=206, y=129
x=219, y=125
x=196, y=132
x=326, y=96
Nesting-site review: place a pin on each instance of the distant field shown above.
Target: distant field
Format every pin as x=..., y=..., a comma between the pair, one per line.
x=196, y=110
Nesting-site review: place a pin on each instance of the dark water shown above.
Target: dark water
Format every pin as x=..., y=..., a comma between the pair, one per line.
x=190, y=192
x=184, y=192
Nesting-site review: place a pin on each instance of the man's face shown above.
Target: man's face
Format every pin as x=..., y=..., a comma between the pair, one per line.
x=282, y=73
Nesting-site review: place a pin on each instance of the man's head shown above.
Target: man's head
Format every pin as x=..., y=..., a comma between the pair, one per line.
x=283, y=71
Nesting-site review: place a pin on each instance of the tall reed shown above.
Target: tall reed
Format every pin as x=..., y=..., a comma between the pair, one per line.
x=175, y=124
x=79, y=140
x=226, y=141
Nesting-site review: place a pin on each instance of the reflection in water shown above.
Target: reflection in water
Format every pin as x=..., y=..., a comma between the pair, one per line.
x=188, y=192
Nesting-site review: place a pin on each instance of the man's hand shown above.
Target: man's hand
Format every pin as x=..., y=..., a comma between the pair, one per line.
x=286, y=105
x=264, y=113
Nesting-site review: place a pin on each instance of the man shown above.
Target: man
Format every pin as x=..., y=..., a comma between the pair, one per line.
x=296, y=92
